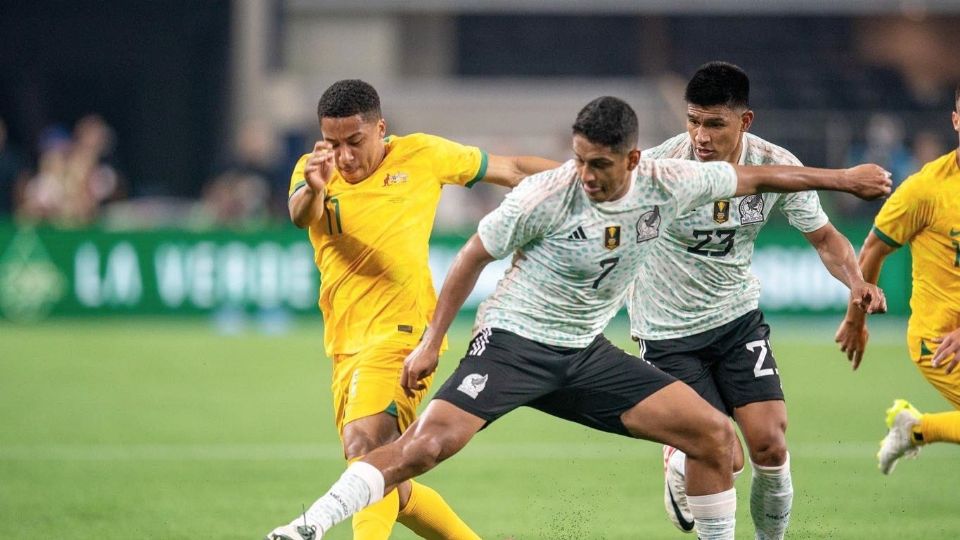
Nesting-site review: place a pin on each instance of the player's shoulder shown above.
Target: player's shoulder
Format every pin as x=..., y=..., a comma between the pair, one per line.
x=937, y=170
x=676, y=147
x=415, y=141
x=763, y=152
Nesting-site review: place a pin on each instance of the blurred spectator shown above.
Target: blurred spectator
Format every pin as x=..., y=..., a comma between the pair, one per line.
x=74, y=176
x=883, y=144
x=249, y=186
x=13, y=172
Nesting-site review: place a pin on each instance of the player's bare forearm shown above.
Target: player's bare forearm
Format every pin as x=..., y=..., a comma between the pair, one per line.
x=864, y=181
x=459, y=283
x=837, y=254
x=870, y=262
x=305, y=206
x=508, y=171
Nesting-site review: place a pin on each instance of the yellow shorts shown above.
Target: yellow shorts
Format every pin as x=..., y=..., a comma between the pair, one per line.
x=921, y=352
x=368, y=383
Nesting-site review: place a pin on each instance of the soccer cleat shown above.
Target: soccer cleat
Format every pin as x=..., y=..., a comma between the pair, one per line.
x=675, y=490
x=291, y=532
x=898, y=443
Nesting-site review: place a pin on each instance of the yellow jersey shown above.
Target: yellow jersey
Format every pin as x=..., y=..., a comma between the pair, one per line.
x=924, y=212
x=371, y=244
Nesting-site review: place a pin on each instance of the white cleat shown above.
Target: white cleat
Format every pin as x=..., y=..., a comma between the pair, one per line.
x=898, y=443
x=675, y=490
x=295, y=532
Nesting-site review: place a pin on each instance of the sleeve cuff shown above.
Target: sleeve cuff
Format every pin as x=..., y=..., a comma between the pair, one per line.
x=886, y=239
x=296, y=188
x=481, y=172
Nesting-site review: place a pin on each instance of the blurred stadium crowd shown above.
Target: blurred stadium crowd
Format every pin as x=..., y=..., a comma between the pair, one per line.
x=835, y=89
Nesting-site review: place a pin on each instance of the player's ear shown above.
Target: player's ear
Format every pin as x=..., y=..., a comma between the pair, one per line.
x=955, y=116
x=746, y=120
x=382, y=128
x=633, y=158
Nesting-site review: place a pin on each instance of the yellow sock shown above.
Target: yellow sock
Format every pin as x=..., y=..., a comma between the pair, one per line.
x=938, y=427
x=430, y=517
x=375, y=522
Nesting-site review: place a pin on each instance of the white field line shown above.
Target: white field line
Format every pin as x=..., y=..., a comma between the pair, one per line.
x=560, y=450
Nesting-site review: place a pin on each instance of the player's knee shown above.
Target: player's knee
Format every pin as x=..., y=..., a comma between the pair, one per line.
x=716, y=441
x=360, y=444
x=423, y=453
x=770, y=450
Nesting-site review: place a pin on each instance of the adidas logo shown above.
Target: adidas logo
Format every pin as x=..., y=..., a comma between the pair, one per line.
x=577, y=234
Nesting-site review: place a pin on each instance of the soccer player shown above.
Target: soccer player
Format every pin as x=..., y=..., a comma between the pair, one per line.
x=695, y=305
x=923, y=212
x=369, y=204
x=577, y=234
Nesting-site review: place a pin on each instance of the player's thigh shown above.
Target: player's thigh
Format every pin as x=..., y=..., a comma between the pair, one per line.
x=500, y=372
x=677, y=416
x=685, y=359
x=746, y=371
x=367, y=384
x=948, y=384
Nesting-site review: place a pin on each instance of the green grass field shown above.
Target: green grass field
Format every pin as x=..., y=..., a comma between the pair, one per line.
x=165, y=429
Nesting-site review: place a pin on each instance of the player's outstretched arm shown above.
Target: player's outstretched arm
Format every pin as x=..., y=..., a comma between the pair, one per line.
x=508, y=171
x=459, y=283
x=306, y=205
x=852, y=334
x=865, y=181
x=840, y=260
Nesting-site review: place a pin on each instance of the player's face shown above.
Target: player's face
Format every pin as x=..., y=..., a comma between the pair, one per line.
x=716, y=131
x=604, y=172
x=357, y=144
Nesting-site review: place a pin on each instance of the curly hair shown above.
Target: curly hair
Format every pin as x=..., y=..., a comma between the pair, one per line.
x=347, y=98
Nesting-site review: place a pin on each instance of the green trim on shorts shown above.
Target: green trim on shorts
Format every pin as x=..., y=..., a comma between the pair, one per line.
x=886, y=239
x=392, y=409
x=482, y=171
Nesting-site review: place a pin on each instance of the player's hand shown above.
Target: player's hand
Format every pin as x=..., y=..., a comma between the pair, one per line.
x=319, y=167
x=949, y=346
x=868, y=297
x=868, y=181
x=852, y=335
x=418, y=365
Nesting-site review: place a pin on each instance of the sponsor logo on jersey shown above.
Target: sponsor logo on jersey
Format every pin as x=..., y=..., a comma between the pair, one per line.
x=648, y=226
x=611, y=236
x=751, y=209
x=721, y=211
x=577, y=234
x=394, y=179
x=473, y=384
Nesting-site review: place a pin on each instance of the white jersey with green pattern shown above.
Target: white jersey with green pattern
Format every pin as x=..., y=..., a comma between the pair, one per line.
x=698, y=277
x=574, y=259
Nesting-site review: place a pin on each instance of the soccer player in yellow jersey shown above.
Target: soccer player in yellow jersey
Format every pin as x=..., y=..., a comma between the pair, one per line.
x=924, y=212
x=368, y=202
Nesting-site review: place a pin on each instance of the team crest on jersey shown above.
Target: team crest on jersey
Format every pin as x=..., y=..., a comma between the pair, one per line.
x=611, y=236
x=751, y=209
x=648, y=226
x=473, y=384
x=393, y=179
x=721, y=211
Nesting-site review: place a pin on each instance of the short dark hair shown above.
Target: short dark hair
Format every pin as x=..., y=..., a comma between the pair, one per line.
x=719, y=83
x=349, y=97
x=608, y=121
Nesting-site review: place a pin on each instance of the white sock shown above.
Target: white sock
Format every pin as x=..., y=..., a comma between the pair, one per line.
x=715, y=515
x=358, y=487
x=771, y=498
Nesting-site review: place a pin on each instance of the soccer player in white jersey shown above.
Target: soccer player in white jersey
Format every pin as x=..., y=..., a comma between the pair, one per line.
x=694, y=305
x=578, y=234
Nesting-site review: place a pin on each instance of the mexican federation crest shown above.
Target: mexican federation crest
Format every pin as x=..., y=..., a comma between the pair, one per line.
x=751, y=209
x=648, y=226
x=473, y=384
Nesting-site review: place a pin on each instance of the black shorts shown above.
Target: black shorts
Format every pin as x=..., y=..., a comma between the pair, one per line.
x=592, y=386
x=730, y=366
